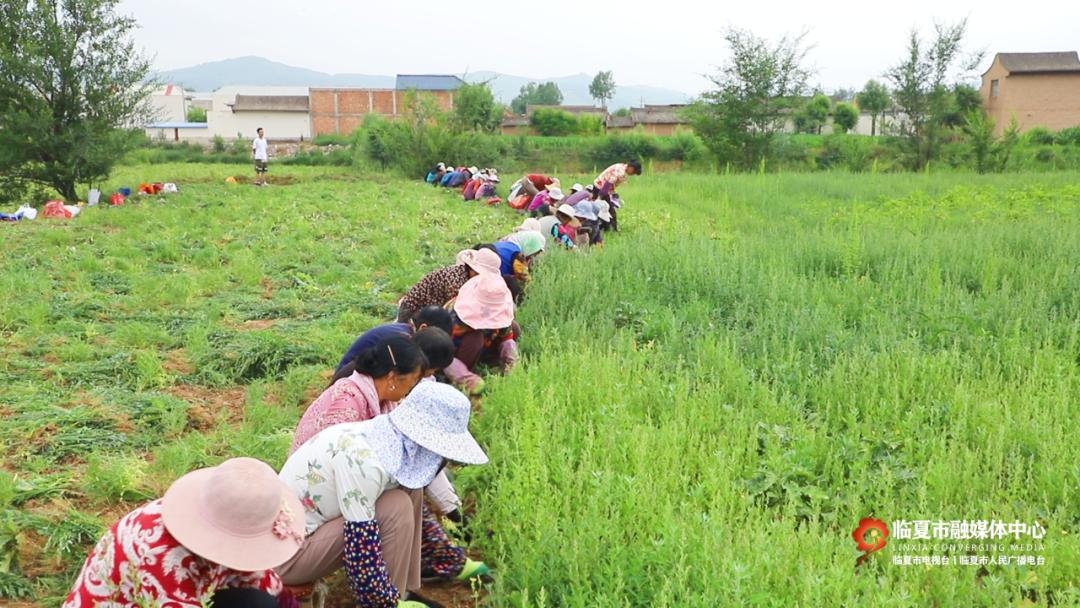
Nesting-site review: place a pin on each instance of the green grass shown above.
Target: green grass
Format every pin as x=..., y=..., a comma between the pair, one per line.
x=139, y=342
x=705, y=408
x=708, y=406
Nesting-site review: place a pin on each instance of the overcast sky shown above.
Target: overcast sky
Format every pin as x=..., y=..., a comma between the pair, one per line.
x=668, y=43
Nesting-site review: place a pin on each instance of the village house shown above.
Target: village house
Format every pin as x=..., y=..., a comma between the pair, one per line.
x=1039, y=89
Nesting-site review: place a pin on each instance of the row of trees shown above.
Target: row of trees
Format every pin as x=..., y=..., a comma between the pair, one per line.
x=765, y=84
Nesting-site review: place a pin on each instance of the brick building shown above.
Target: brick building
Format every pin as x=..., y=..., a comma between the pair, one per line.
x=1039, y=89
x=342, y=110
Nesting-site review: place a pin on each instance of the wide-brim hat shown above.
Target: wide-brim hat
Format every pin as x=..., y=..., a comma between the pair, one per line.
x=584, y=210
x=556, y=194
x=529, y=224
x=555, y=183
x=602, y=211
x=485, y=302
x=237, y=514
x=483, y=261
x=577, y=188
x=436, y=417
x=441, y=167
x=568, y=211
x=474, y=170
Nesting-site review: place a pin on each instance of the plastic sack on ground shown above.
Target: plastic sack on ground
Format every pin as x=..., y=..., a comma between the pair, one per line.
x=58, y=209
x=93, y=197
x=169, y=188
x=116, y=199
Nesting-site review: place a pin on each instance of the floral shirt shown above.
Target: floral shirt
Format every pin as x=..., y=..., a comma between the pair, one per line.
x=612, y=177
x=137, y=562
x=435, y=289
x=336, y=474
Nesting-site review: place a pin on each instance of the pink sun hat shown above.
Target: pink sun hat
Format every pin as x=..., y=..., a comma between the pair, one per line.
x=485, y=302
x=237, y=514
x=483, y=261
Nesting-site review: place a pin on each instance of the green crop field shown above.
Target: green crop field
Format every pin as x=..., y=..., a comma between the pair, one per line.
x=705, y=410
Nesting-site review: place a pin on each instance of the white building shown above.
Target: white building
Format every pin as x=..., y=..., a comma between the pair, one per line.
x=169, y=104
x=237, y=111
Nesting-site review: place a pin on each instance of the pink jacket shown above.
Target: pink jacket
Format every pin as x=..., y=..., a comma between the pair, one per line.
x=351, y=399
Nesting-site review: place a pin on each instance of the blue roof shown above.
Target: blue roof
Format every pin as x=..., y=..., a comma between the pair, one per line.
x=428, y=82
x=177, y=125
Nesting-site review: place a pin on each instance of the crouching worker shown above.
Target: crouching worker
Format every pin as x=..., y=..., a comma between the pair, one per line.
x=517, y=252
x=565, y=231
x=428, y=316
x=484, y=330
x=360, y=483
x=214, y=538
x=372, y=384
x=440, y=286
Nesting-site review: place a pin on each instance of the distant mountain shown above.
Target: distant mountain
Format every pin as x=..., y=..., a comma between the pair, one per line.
x=258, y=71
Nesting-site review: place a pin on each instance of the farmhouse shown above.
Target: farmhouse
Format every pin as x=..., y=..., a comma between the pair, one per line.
x=1039, y=89
x=651, y=119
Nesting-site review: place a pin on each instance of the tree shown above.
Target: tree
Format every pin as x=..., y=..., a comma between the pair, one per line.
x=990, y=153
x=873, y=99
x=813, y=115
x=603, y=88
x=196, y=115
x=546, y=94
x=71, y=81
x=755, y=89
x=925, y=84
x=845, y=117
x=475, y=109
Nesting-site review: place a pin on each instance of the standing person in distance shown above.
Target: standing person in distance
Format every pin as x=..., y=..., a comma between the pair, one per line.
x=261, y=153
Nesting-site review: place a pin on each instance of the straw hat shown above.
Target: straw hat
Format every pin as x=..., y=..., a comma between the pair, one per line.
x=436, y=417
x=237, y=514
x=483, y=261
x=485, y=302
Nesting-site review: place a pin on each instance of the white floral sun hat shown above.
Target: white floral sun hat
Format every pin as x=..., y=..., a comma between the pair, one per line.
x=436, y=417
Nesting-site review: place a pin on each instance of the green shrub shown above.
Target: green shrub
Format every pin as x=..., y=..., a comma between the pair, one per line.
x=621, y=148
x=549, y=121
x=1068, y=137
x=1040, y=136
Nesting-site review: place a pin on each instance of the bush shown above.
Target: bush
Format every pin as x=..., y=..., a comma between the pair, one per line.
x=411, y=147
x=218, y=144
x=196, y=115
x=1040, y=136
x=1068, y=137
x=550, y=122
x=621, y=148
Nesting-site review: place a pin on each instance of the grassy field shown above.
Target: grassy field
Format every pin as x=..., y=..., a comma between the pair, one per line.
x=705, y=410
x=708, y=407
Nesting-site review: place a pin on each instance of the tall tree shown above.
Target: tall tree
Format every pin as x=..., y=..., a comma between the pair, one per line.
x=754, y=91
x=602, y=88
x=813, y=115
x=71, y=81
x=475, y=108
x=873, y=99
x=546, y=94
x=845, y=117
x=925, y=87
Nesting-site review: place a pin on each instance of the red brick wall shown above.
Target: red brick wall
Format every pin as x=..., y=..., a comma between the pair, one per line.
x=354, y=104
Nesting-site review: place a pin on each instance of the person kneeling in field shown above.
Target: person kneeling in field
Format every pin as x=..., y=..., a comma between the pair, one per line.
x=484, y=330
x=440, y=286
x=517, y=252
x=428, y=316
x=360, y=483
x=367, y=387
x=565, y=231
x=214, y=538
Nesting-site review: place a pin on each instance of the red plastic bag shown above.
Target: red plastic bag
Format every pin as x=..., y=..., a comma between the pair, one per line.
x=494, y=200
x=520, y=202
x=117, y=199
x=56, y=209
x=157, y=187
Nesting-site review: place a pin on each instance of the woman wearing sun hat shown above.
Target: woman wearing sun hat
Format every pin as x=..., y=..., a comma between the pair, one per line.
x=440, y=286
x=516, y=253
x=540, y=203
x=360, y=483
x=217, y=528
x=484, y=330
